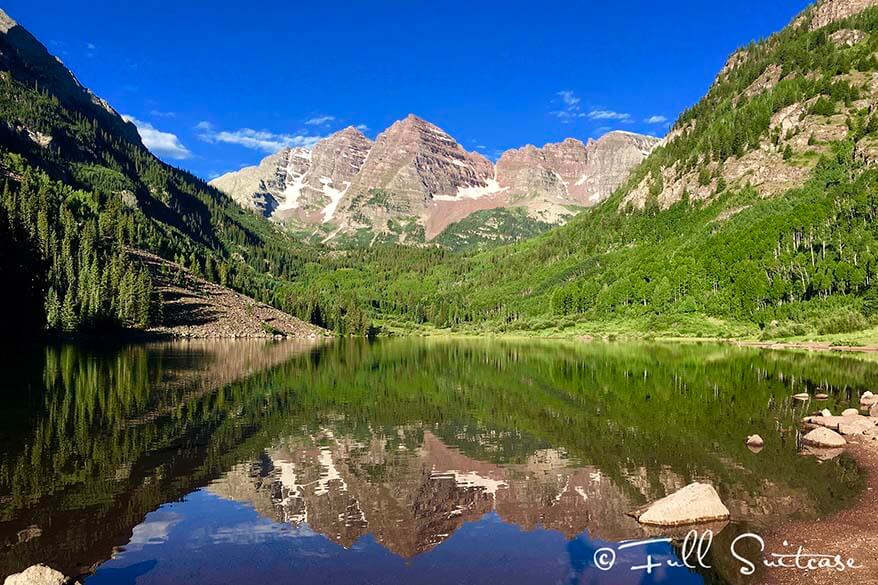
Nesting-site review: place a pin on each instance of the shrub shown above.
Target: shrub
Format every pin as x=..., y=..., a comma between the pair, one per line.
x=845, y=322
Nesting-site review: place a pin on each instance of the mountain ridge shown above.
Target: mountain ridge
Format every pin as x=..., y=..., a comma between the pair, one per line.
x=417, y=179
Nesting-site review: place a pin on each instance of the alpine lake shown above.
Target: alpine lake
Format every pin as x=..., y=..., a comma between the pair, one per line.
x=403, y=461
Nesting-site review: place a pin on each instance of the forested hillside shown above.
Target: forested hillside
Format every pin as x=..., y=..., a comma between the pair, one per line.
x=755, y=216
x=78, y=187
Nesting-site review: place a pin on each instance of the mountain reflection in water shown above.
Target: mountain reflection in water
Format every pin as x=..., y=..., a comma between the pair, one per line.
x=403, y=461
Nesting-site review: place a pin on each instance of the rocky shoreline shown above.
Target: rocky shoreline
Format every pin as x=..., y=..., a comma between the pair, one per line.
x=851, y=533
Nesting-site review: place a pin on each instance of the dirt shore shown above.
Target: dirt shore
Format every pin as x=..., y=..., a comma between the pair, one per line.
x=852, y=533
x=809, y=345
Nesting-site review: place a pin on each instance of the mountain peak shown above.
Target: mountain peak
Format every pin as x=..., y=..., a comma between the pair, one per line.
x=414, y=121
x=416, y=174
x=350, y=131
x=6, y=22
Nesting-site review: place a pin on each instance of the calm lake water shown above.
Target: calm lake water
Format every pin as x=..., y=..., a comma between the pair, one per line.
x=400, y=462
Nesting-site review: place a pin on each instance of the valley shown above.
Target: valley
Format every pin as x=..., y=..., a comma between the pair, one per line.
x=752, y=219
x=264, y=324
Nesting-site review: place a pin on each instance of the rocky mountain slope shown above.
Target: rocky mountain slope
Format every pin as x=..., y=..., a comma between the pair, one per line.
x=773, y=110
x=416, y=180
x=25, y=59
x=193, y=307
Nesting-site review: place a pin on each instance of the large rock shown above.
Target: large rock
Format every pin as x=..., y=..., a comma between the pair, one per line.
x=850, y=412
x=695, y=503
x=38, y=575
x=874, y=410
x=823, y=437
x=830, y=422
x=857, y=425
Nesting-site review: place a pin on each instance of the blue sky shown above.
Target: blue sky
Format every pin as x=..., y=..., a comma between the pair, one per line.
x=219, y=85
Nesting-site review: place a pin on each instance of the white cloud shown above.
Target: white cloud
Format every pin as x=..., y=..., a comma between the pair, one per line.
x=158, y=142
x=608, y=115
x=254, y=139
x=362, y=128
x=656, y=120
x=161, y=114
x=571, y=106
x=569, y=98
x=91, y=46
x=319, y=120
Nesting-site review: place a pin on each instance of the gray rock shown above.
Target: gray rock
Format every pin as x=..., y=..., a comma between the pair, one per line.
x=695, y=503
x=823, y=437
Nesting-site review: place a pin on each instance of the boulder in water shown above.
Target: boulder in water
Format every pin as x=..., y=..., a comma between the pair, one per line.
x=755, y=441
x=823, y=437
x=695, y=503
